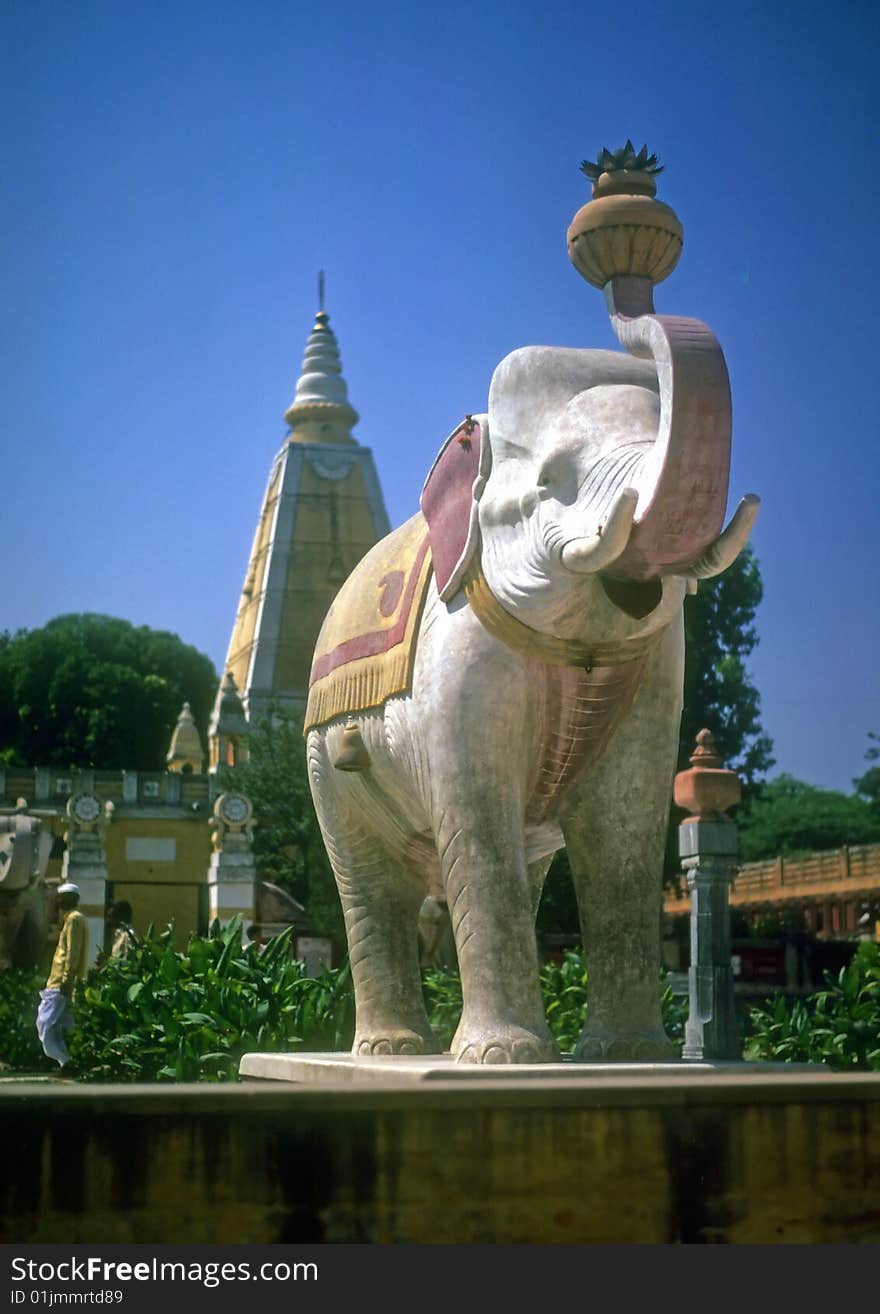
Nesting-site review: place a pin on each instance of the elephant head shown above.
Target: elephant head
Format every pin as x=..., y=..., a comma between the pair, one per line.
x=602, y=481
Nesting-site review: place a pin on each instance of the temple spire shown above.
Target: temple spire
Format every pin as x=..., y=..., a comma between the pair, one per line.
x=323, y=510
x=320, y=411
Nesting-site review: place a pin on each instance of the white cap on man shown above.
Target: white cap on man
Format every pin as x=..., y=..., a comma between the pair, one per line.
x=68, y=888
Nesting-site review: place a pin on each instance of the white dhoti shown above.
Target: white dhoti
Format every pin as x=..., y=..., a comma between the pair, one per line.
x=54, y=1018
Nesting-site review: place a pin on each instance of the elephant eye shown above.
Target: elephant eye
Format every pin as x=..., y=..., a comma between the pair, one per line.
x=557, y=478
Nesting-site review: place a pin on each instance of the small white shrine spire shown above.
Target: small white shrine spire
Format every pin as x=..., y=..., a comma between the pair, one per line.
x=185, y=753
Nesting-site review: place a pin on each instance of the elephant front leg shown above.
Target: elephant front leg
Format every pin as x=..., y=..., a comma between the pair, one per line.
x=490, y=904
x=475, y=697
x=615, y=833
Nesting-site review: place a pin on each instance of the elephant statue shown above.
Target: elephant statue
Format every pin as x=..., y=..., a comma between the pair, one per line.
x=502, y=677
x=24, y=854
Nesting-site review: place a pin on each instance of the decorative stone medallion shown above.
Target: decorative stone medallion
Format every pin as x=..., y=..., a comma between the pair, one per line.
x=234, y=809
x=84, y=808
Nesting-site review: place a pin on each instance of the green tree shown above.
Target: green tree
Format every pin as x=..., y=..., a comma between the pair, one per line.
x=288, y=846
x=789, y=816
x=867, y=785
x=90, y=690
x=720, y=634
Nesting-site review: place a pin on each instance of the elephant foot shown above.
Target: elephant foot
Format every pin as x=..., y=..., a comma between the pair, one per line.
x=607, y=1046
x=504, y=1044
x=394, y=1040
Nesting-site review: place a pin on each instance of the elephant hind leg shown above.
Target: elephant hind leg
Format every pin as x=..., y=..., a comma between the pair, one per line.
x=381, y=900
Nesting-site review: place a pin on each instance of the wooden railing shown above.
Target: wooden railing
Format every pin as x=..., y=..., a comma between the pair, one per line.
x=834, y=873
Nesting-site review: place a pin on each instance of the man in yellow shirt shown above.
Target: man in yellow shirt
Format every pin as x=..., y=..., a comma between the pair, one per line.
x=69, y=965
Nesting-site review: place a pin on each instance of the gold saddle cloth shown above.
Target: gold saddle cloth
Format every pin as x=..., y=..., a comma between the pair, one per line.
x=366, y=649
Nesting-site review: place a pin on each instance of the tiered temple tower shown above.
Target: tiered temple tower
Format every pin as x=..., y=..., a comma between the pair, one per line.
x=322, y=511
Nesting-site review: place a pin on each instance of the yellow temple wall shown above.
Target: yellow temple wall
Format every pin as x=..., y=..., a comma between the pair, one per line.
x=158, y=842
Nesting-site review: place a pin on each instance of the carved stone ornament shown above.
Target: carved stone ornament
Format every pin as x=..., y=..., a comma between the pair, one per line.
x=708, y=789
x=86, y=813
x=330, y=464
x=624, y=230
x=235, y=809
x=232, y=820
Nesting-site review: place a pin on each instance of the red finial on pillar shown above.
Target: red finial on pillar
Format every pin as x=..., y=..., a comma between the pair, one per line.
x=708, y=789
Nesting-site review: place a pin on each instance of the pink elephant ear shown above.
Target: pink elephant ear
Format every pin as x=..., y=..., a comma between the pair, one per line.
x=449, y=501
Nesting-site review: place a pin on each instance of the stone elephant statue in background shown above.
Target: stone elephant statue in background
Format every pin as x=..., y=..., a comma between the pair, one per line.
x=502, y=677
x=25, y=847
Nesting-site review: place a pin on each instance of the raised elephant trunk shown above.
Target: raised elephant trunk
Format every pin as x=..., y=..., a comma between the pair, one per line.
x=625, y=241
x=685, y=477
x=670, y=522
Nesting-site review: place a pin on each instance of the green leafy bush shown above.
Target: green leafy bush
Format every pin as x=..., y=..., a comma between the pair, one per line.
x=442, y=990
x=564, y=991
x=839, y=1026
x=20, y=1048
x=674, y=1010
x=163, y=1015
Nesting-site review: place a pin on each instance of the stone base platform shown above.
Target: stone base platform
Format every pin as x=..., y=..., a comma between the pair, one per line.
x=680, y=1154
x=398, y=1069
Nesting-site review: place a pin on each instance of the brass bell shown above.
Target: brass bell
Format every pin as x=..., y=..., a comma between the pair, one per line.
x=352, y=755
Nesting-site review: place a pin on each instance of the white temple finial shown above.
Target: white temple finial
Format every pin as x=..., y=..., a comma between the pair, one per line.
x=320, y=411
x=185, y=753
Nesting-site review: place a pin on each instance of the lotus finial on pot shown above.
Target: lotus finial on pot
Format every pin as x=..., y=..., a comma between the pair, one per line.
x=624, y=230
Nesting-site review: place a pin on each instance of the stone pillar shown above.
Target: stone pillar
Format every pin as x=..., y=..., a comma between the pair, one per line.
x=85, y=862
x=707, y=844
x=232, y=874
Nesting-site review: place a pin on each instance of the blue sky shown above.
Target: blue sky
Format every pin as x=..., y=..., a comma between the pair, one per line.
x=176, y=174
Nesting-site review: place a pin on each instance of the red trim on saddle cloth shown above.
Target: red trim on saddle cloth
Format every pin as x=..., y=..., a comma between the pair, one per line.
x=378, y=641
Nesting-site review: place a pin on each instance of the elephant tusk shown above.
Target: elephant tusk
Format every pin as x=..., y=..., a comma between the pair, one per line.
x=585, y=556
x=727, y=547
